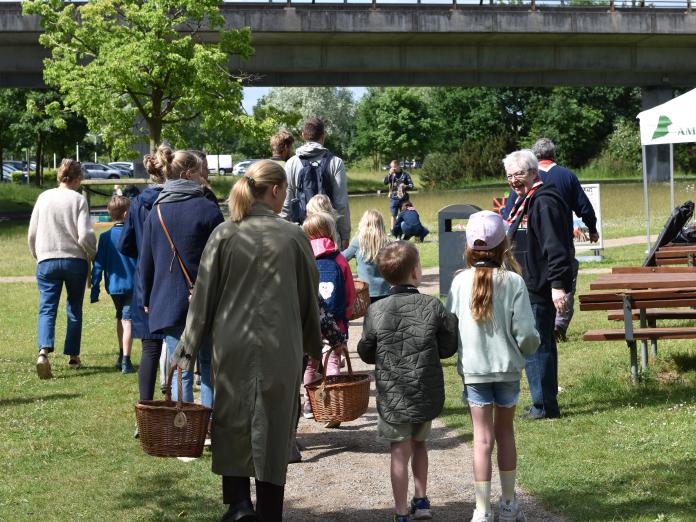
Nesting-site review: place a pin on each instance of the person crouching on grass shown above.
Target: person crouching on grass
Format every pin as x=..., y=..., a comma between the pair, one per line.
x=417, y=331
x=496, y=326
x=118, y=279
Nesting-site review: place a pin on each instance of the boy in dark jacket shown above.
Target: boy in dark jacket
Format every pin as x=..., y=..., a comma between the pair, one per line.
x=408, y=224
x=405, y=335
x=117, y=270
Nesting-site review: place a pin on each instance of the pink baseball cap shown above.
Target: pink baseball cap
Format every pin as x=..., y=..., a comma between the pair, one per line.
x=485, y=226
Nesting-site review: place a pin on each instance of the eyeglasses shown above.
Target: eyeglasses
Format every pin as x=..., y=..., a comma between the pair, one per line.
x=517, y=175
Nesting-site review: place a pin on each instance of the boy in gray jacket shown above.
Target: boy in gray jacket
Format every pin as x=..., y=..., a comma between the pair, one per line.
x=405, y=335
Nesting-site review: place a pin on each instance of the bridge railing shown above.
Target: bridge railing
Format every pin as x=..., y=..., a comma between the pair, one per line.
x=532, y=4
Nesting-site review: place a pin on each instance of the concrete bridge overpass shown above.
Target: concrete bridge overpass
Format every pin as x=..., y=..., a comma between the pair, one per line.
x=301, y=44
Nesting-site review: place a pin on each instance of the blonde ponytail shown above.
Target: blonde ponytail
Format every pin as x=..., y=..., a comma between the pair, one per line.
x=259, y=177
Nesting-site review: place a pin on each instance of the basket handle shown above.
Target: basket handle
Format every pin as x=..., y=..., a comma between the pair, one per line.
x=343, y=349
x=179, y=389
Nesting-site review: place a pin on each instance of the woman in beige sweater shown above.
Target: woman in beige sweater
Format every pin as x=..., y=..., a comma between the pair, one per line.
x=62, y=241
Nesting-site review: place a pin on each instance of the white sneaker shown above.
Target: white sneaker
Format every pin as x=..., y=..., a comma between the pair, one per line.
x=187, y=459
x=510, y=511
x=481, y=516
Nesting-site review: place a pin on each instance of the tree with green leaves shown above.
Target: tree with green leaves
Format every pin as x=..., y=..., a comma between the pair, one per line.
x=394, y=122
x=334, y=105
x=142, y=66
x=12, y=104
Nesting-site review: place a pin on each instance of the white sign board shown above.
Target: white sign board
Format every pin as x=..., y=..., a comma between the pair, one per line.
x=581, y=235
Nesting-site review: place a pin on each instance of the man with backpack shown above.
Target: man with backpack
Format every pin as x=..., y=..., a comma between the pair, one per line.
x=315, y=170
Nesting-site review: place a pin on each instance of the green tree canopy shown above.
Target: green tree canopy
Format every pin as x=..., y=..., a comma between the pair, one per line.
x=12, y=104
x=127, y=64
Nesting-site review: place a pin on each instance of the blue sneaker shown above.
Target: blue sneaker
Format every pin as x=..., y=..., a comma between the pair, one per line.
x=420, y=509
x=401, y=518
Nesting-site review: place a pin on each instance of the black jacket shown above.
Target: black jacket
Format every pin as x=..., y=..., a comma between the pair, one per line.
x=547, y=262
x=405, y=335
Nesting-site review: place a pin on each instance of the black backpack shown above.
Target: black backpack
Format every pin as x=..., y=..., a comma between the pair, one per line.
x=314, y=178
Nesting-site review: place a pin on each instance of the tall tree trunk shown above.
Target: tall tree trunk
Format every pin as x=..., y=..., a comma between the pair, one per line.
x=155, y=127
x=38, y=175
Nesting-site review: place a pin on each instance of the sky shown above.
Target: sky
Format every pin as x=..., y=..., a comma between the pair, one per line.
x=253, y=94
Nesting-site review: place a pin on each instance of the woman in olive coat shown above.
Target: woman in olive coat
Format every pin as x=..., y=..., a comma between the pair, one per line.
x=256, y=293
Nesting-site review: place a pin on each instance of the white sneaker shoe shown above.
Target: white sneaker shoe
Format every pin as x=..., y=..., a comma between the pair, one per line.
x=482, y=516
x=510, y=511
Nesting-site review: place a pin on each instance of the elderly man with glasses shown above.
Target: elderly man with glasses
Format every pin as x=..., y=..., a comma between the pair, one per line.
x=547, y=271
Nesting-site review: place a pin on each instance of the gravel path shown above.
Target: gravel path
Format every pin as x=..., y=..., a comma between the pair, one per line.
x=344, y=475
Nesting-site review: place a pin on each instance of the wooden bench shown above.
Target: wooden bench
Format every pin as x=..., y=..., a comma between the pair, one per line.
x=636, y=303
x=676, y=255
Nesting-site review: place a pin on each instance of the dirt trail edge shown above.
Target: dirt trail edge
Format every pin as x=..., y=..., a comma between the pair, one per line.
x=344, y=475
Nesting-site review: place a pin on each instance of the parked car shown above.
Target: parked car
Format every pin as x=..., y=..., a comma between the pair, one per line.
x=7, y=171
x=220, y=163
x=126, y=166
x=16, y=164
x=99, y=171
x=240, y=167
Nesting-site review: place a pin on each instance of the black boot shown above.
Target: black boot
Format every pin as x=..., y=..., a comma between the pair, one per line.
x=241, y=512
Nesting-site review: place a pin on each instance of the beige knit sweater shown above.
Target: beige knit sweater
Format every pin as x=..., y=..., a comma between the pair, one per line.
x=60, y=226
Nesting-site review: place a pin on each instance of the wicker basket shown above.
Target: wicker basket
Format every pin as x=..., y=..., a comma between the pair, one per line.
x=339, y=398
x=172, y=429
x=362, y=299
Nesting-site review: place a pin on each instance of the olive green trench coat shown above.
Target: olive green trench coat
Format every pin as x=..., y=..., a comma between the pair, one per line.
x=256, y=294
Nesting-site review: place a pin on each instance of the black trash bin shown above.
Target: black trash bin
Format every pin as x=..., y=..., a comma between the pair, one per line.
x=452, y=238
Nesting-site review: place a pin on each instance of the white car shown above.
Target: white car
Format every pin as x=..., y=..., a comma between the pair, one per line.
x=126, y=166
x=240, y=168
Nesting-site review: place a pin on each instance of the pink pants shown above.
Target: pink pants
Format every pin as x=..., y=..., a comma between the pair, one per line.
x=333, y=367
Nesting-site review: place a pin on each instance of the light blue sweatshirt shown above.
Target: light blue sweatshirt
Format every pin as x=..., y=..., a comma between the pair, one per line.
x=367, y=271
x=493, y=351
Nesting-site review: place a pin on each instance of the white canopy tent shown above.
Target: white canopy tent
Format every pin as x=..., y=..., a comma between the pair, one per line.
x=672, y=122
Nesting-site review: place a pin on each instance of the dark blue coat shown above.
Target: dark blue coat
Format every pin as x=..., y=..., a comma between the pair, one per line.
x=130, y=245
x=567, y=185
x=165, y=292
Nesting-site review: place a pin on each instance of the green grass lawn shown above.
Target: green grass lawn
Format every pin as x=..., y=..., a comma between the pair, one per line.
x=621, y=451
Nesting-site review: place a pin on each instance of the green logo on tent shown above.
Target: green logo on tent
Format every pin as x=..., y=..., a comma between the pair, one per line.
x=662, y=127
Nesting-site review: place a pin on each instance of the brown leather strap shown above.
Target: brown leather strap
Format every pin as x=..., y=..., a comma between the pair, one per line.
x=174, y=250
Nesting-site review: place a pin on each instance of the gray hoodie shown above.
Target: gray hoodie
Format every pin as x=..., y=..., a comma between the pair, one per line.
x=337, y=170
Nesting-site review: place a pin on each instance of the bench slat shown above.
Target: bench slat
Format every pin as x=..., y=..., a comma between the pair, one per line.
x=642, y=281
x=656, y=313
x=652, y=303
x=618, y=334
x=653, y=269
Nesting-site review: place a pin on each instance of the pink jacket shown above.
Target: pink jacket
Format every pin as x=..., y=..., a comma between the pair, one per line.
x=323, y=246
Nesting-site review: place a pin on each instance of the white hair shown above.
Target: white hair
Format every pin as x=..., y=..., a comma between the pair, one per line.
x=521, y=160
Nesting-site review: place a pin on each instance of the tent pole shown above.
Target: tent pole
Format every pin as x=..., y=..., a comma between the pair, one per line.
x=645, y=197
x=671, y=175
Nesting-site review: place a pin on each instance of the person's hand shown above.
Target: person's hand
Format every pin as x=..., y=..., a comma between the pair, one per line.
x=560, y=299
x=147, y=309
x=594, y=237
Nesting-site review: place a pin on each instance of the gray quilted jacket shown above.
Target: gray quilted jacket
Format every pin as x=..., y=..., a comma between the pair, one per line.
x=405, y=335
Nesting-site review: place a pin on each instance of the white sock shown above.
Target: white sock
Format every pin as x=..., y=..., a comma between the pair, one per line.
x=483, y=495
x=507, y=484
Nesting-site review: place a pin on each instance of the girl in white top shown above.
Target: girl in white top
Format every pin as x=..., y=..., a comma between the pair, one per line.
x=496, y=328
x=62, y=241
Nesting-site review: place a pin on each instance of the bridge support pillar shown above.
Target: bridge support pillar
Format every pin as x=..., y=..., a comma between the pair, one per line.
x=656, y=156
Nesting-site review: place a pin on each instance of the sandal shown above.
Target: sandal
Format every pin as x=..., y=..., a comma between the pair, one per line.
x=43, y=367
x=74, y=362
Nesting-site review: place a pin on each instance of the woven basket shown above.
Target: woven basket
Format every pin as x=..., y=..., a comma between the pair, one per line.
x=362, y=299
x=339, y=398
x=172, y=429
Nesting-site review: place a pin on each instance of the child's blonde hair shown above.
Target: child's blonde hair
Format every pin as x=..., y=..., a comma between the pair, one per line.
x=322, y=203
x=372, y=235
x=319, y=225
x=117, y=207
x=482, y=290
x=259, y=177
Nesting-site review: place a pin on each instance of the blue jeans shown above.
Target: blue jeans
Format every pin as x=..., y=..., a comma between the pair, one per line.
x=172, y=336
x=542, y=365
x=50, y=276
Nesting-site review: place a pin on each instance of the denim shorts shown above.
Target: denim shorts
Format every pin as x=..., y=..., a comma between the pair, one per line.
x=502, y=394
x=122, y=302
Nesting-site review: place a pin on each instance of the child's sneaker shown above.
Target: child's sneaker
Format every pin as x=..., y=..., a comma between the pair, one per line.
x=119, y=362
x=127, y=366
x=482, y=516
x=510, y=511
x=401, y=518
x=75, y=363
x=307, y=412
x=420, y=509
